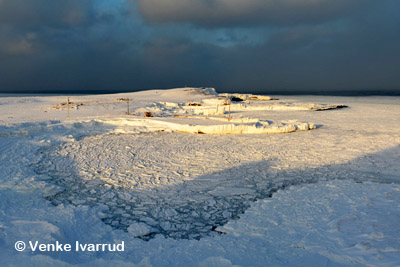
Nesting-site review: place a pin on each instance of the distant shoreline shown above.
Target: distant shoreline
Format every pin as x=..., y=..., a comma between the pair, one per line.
x=361, y=94
x=350, y=93
x=330, y=93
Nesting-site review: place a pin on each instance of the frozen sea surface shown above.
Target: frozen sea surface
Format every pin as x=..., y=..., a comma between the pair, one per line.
x=329, y=196
x=203, y=183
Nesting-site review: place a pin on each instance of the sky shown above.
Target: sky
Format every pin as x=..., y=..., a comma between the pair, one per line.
x=232, y=45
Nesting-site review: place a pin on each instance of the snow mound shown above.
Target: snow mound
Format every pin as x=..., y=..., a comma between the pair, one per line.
x=216, y=126
x=215, y=101
x=188, y=92
x=178, y=101
x=208, y=91
x=220, y=106
x=205, y=125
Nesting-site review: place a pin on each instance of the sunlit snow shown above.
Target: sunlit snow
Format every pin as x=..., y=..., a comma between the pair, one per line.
x=192, y=177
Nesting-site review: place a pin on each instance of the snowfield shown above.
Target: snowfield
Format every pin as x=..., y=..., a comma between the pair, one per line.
x=190, y=178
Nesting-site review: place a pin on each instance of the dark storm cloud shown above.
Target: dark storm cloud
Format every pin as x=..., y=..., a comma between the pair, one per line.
x=230, y=13
x=60, y=13
x=29, y=26
x=84, y=45
x=357, y=50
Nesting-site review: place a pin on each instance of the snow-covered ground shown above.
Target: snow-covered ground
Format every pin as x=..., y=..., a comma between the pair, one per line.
x=187, y=187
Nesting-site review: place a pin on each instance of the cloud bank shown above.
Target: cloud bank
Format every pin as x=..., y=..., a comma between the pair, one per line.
x=126, y=45
x=230, y=13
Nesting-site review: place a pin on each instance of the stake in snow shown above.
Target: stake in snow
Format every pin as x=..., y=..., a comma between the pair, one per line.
x=171, y=181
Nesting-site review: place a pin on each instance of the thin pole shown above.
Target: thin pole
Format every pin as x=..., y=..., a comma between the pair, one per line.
x=68, y=108
x=229, y=114
x=127, y=99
